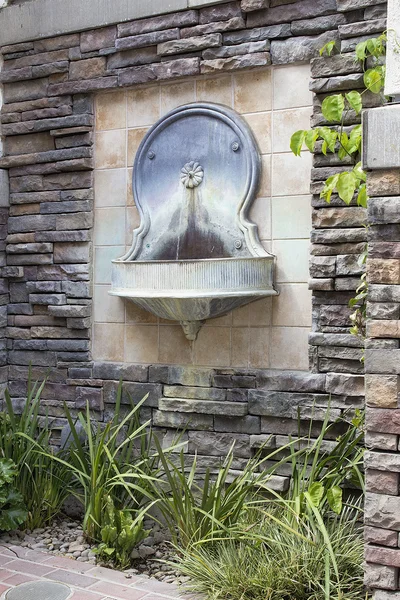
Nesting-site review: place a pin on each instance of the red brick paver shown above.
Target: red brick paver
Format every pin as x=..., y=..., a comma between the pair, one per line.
x=87, y=582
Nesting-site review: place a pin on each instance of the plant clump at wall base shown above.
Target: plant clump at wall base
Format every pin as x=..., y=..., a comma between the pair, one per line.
x=230, y=533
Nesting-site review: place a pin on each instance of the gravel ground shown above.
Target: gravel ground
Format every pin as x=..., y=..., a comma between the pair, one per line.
x=65, y=538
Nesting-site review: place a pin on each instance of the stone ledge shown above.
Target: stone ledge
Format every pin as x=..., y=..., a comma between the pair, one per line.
x=46, y=18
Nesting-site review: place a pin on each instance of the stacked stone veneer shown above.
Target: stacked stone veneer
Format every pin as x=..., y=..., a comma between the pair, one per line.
x=47, y=123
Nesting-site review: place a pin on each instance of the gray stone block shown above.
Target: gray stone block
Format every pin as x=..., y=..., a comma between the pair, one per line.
x=230, y=424
x=158, y=23
x=213, y=40
x=209, y=407
x=300, y=48
x=349, y=385
x=55, y=299
x=383, y=310
x=382, y=361
x=228, y=51
x=292, y=12
x=184, y=421
x=168, y=70
x=4, y=188
x=219, y=444
x=257, y=34
x=179, y=391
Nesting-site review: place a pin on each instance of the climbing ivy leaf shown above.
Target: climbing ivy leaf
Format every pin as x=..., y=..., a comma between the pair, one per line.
x=329, y=187
x=346, y=186
x=355, y=139
x=328, y=48
x=296, y=142
x=374, y=78
x=329, y=136
x=355, y=101
x=359, y=172
x=362, y=198
x=333, y=107
x=310, y=139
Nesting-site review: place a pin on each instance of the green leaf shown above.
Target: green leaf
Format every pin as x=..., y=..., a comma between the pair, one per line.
x=296, y=142
x=361, y=51
x=12, y=518
x=7, y=470
x=355, y=139
x=329, y=136
x=346, y=186
x=334, y=496
x=330, y=185
x=328, y=48
x=362, y=198
x=374, y=79
x=359, y=172
x=316, y=493
x=310, y=138
x=333, y=107
x=355, y=100
x=344, y=145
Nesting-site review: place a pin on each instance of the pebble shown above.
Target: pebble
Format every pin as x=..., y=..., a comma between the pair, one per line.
x=65, y=538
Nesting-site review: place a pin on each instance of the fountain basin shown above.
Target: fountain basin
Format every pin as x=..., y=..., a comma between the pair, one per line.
x=191, y=291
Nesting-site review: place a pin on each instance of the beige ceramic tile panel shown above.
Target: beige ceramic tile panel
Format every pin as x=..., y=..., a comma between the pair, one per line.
x=285, y=123
x=290, y=348
x=217, y=89
x=108, y=341
x=288, y=307
x=274, y=102
x=291, y=86
x=108, y=309
x=111, y=111
x=176, y=94
x=143, y=106
x=110, y=187
x=110, y=149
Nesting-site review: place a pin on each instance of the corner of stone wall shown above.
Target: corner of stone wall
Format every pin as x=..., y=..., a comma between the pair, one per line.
x=382, y=356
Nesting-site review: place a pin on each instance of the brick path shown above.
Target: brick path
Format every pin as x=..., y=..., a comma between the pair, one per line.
x=19, y=565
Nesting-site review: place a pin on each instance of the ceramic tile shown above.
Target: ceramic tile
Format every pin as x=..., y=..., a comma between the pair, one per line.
x=285, y=123
x=107, y=309
x=259, y=347
x=143, y=106
x=293, y=305
x=290, y=346
x=213, y=347
x=136, y=315
x=110, y=149
x=141, y=343
x=111, y=111
x=253, y=91
x=218, y=89
x=260, y=214
x=175, y=348
x=291, y=86
x=264, y=189
x=291, y=217
x=240, y=346
x=110, y=188
x=109, y=226
x=135, y=136
x=108, y=342
x=176, y=94
x=291, y=260
x=102, y=262
x=260, y=124
x=291, y=174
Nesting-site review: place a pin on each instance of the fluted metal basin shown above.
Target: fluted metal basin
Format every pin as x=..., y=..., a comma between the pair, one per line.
x=191, y=291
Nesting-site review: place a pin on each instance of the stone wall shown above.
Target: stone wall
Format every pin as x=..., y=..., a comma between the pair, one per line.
x=48, y=124
x=382, y=353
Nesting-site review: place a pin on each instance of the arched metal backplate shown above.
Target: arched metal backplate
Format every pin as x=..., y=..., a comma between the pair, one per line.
x=195, y=177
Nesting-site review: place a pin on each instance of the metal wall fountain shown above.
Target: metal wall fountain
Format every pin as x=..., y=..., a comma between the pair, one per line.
x=196, y=255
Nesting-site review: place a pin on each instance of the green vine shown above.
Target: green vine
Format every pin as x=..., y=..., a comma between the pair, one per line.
x=346, y=144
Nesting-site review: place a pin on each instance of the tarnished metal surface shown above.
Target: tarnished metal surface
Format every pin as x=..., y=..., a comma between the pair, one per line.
x=39, y=590
x=196, y=255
